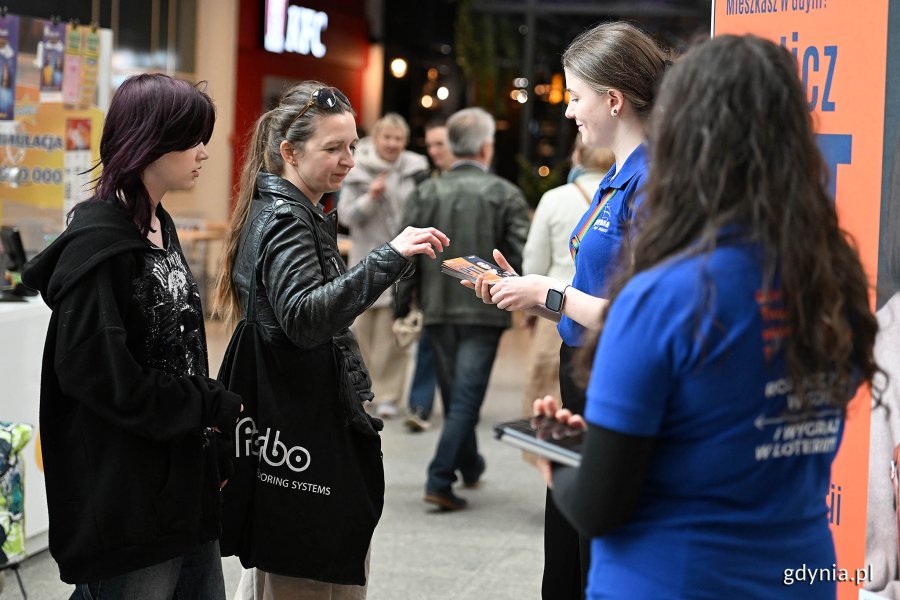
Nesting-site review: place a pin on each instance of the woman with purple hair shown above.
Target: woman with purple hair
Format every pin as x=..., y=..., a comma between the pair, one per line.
x=128, y=412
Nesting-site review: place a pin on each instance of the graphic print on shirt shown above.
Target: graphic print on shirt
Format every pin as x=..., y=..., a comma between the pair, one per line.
x=773, y=313
x=170, y=299
x=794, y=432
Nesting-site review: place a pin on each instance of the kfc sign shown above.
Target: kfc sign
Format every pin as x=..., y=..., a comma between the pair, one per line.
x=294, y=29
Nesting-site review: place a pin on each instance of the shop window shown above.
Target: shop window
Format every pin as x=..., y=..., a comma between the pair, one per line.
x=158, y=35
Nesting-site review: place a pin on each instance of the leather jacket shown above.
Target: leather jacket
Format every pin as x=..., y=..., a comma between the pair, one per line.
x=305, y=296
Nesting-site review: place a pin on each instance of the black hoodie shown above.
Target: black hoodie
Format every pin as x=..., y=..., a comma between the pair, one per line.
x=130, y=465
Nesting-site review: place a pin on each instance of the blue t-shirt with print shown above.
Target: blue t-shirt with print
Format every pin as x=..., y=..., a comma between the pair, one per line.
x=596, y=261
x=736, y=489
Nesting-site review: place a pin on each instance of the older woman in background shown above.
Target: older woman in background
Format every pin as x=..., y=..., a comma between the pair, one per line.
x=372, y=200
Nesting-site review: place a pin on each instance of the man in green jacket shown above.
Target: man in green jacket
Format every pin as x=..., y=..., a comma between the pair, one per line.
x=480, y=212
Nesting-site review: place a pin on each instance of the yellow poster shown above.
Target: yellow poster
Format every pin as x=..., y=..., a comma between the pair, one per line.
x=43, y=156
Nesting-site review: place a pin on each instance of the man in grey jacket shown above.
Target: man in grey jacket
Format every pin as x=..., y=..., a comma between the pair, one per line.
x=480, y=211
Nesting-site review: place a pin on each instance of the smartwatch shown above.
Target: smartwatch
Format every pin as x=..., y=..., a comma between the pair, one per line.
x=555, y=298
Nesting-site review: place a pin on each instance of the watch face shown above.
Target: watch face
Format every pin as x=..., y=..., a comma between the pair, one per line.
x=554, y=300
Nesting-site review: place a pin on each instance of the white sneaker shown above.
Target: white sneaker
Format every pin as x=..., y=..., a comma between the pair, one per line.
x=386, y=411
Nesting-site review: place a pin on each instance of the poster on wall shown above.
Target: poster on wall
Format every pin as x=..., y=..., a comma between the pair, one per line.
x=77, y=163
x=45, y=165
x=46, y=148
x=71, y=82
x=52, y=55
x=838, y=66
x=49, y=150
x=90, y=64
x=9, y=51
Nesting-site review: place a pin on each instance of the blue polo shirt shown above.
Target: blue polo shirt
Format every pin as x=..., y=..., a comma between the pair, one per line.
x=736, y=490
x=596, y=261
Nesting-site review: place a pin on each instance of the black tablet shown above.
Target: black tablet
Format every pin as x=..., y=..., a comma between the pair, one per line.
x=545, y=437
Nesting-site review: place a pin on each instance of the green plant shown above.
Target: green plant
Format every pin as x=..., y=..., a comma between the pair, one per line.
x=533, y=185
x=481, y=39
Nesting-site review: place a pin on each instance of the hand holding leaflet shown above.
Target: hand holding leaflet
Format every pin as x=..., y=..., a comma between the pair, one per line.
x=471, y=267
x=526, y=292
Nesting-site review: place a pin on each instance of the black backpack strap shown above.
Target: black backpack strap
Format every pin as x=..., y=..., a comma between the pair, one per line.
x=305, y=214
x=283, y=208
x=250, y=313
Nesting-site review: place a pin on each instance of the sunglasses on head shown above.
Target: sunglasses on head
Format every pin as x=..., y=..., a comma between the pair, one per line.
x=324, y=98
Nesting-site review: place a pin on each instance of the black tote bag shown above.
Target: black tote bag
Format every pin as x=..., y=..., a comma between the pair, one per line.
x=308, y=482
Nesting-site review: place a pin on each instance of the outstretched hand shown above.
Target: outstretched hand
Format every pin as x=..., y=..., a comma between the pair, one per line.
x=420, y=240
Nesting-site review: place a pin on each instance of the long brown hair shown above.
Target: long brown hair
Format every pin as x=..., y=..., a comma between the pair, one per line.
x=264, y=156
x=732, y=143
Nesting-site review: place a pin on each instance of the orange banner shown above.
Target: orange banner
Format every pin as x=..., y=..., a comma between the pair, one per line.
x=841, y=51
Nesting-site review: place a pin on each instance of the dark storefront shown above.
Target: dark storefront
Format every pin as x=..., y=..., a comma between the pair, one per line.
x=335, y=30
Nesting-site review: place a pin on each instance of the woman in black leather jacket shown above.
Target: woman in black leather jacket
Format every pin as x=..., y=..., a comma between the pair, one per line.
x=306, y=300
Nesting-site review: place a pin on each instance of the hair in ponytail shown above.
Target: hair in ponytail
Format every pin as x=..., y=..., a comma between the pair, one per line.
x=618, y=55
x=264, y=156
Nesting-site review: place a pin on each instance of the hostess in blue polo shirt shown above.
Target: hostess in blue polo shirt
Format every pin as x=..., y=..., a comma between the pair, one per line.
x=735, y=491
x=596, y=239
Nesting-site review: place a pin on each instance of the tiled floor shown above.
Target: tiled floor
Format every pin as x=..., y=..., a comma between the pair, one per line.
x=492, y=550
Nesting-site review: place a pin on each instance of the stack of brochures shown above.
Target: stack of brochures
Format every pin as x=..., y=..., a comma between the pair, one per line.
x=470, y=267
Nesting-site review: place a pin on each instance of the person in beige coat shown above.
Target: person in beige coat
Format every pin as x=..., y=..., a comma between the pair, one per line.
x=884, y=436
x=372, y=201
x=882, y=520
x=547, y=253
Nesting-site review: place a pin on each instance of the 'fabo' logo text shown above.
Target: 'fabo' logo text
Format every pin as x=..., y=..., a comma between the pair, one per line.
x=247, y=441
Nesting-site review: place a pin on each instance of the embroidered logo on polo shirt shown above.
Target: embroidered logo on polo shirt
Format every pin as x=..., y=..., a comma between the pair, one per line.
x=602, y=224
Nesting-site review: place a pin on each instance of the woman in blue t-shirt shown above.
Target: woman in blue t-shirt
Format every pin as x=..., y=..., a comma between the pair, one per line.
x=610, y=105
x=734, y=340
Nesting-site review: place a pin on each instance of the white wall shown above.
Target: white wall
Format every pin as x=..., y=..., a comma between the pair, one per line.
x=373, y=87
x=216, y=63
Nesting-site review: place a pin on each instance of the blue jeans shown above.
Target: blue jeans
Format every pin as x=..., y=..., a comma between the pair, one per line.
x=196, y=575
x=424, y=381
x=465, y=355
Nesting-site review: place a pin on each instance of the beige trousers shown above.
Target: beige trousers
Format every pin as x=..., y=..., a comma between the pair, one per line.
x=259, y=585
x=542, y=368
x=386, y=360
